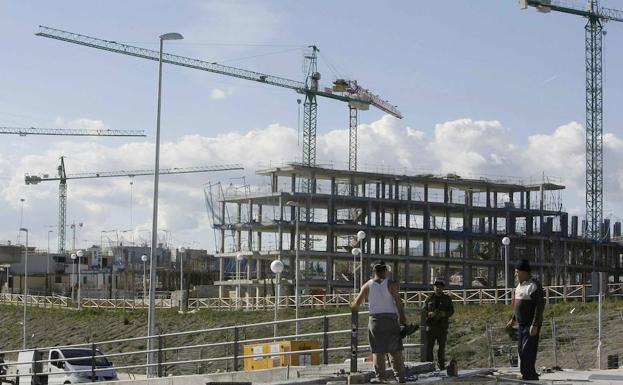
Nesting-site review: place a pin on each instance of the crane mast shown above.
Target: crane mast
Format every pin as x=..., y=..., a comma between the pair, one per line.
x=593, y=34
x=23, y=131
x=63, y=177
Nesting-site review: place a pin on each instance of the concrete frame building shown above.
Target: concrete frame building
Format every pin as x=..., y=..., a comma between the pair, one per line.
x=423, y=226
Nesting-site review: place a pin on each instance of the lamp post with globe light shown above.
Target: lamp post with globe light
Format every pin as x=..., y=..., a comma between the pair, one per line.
x=25, y=294
x=358, y=252
x=276, y=267
x=506, y=241
x=76, y=257
x=144, y=259
x=73, y=280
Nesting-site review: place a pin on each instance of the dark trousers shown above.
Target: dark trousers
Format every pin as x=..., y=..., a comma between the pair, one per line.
x=527, y=348
x=439, y=335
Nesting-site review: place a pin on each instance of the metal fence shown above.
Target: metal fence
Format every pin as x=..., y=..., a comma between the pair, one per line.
x=566, y=341
x=411, y=298
x=222, y=348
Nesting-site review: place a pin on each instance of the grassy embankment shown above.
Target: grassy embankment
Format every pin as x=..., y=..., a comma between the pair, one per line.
x=476, y=333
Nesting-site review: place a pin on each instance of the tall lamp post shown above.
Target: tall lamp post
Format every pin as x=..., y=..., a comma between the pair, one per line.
x=295, y=205
x=276, y=267
x=151, y=318
x=144, y=259
x=73, y=279
x=76, y=257
x=358, y=252
x=181, y=253
x=25, y=285
x=47, y=268
x=506, y=241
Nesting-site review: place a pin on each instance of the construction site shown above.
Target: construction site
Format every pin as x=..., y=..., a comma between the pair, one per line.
x=303, y=233
x=423, y=226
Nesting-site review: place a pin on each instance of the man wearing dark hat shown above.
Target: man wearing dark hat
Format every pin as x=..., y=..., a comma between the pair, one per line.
x=386, y=316
x=439, y=309
x=528, y=305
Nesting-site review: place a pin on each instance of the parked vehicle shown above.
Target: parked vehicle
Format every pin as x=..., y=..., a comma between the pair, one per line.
x=62, y=366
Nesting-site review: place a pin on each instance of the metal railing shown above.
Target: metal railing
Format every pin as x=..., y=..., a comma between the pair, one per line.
x=221, y=348
x=562, y=293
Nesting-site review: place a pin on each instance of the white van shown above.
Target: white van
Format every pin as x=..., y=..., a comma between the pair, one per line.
x=64, y=366
x=66, y=360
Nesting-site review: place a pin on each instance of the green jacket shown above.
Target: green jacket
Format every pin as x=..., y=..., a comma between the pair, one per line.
x=442, y=309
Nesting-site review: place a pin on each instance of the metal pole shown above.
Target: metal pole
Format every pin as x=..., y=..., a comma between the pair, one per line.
x=296, y=271
x=277, y=290
x=25, y=287
x=361, y=263
x=151, y=318
x=354, y=274
x=79, y=283
x=599, y=322
x=506, y=274
x=47, y=268
x=238, y=279
x=144, y=283
x=181, y=281
x=73, y=281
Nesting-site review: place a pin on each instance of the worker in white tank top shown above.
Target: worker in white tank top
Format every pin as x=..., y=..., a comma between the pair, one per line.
x=386, y=316
x=379, y=297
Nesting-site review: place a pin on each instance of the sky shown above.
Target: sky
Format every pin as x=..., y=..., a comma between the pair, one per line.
x=486, y=89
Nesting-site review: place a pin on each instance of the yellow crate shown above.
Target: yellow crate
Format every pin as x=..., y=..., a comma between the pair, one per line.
x=267, y=362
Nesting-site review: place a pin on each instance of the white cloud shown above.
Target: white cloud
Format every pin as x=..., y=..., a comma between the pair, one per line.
x=467, y=147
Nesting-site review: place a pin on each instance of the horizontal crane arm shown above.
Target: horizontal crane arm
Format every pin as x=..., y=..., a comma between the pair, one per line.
x=34, y=179
x=574, y=9
x=183, y=61
x=22, y=131
x=144, y=53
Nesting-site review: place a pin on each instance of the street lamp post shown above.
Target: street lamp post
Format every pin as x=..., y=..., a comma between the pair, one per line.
x=76, y=257
x=181, y=253
x=151, y=319
x=295, y=205
x=25, y=296
x=47, y=269
x=276, y=267
x=144, y=259
x=506, y=241
x=73, y=275
x=361, y=235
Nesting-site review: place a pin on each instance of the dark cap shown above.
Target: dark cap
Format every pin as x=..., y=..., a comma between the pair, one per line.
x=523, y=265
x=380, y=266
x=439, y=282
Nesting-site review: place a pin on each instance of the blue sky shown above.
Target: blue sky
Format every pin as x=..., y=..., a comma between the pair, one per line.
x=484, y=87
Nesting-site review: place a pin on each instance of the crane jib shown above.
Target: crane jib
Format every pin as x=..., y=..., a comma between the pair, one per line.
x=183, y=61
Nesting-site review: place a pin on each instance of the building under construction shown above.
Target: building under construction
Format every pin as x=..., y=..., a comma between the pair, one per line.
x=422, y=226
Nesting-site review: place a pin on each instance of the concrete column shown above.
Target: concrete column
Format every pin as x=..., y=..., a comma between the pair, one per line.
x=467, y=275
x=293, y=183
x=274, y=182
x=280, y=226
x=259, y=233
x=329, y=275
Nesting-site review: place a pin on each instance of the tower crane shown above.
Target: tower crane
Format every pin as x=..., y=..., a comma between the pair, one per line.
x=63, y=177
x=357, y=97
x=593, y=35
x=23, y=131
